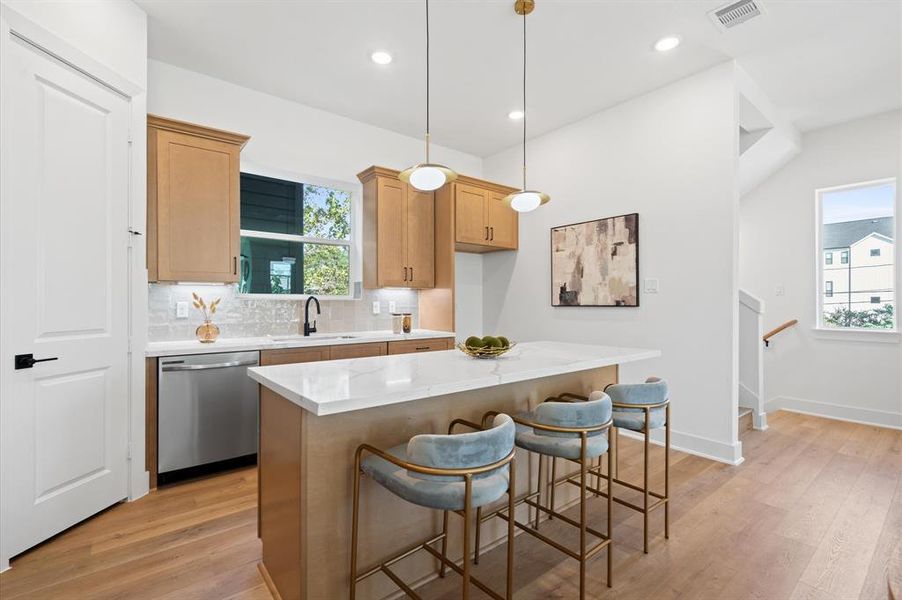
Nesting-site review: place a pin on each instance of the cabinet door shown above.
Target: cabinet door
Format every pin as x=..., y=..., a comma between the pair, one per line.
x=420, y=238
x=469, y=212
x=357, y=350
x=391, y=228
x=502, y=221
x=287, y=356
x=198, y=199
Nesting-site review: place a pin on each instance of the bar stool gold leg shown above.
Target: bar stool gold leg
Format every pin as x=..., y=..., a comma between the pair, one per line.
x=442, y=568
x=478, y=532
x=645, y=486
x=511, y=497
x=354, y=521
x=667, y=473
x=539, y=494
x=553, y=479
x=582, y=518
x=610, y=529
x=468, y=509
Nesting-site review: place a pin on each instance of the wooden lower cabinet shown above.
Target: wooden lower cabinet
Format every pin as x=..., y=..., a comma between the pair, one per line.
x=288, y=356
x=357, y=350
x=413, y=346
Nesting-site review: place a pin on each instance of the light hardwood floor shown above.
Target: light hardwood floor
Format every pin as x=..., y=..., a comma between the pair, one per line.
x=815, y=512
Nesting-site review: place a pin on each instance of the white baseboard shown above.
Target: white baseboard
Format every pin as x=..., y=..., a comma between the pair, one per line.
x=730, y=454
x=840, y=412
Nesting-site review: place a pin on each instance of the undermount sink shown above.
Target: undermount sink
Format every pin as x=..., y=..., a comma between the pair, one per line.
x=286, y=338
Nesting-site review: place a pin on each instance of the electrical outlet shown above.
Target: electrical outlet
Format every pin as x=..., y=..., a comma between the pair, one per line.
x=181, y=310
x=392, y=306
x=651, y=286
x=376, y=308
x=780, y=290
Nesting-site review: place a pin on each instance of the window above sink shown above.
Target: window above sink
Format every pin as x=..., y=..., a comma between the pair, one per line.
x=297, y=237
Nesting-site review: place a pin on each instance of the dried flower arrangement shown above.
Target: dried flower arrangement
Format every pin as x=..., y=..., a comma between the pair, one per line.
x=208, y=332
x=208, y=311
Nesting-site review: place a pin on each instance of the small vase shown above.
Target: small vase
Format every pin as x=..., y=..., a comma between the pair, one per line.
x=207, y=333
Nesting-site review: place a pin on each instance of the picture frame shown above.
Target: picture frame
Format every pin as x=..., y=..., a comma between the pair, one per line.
x=596, y=263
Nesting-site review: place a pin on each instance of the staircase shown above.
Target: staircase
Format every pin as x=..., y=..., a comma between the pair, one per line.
x=751, y=360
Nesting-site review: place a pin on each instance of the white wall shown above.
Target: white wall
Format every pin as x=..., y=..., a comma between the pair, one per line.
x=671, y=156
x=286, y=135
x=804, y=370
x=112, y=32
x=468, y=295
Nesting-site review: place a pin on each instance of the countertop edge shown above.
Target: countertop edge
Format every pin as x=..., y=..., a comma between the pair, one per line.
x=350, y=405
x=252, y=344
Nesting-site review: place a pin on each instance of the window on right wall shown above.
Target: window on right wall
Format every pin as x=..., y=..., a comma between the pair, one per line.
x=857, y=222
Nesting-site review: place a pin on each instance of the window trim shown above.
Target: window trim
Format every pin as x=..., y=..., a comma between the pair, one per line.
x=854, y=332
x=353, y=243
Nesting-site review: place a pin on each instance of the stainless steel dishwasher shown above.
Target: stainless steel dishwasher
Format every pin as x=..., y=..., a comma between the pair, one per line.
x=207, y=411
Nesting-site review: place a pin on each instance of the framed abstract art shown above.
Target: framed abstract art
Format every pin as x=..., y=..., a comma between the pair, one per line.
x=596, y=263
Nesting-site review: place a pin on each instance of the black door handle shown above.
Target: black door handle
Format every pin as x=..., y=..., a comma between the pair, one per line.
x=26, y=361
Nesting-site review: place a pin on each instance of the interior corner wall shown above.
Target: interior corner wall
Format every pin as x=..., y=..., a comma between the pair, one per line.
x=849, y=379
x=671, y=156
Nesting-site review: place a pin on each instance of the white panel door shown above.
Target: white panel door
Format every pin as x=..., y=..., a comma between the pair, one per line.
x=63, y=296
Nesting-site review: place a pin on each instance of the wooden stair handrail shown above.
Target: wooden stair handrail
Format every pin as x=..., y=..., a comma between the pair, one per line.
x=766, y=337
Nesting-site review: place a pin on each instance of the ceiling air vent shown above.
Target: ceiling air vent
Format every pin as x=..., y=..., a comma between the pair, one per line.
x=736, y=13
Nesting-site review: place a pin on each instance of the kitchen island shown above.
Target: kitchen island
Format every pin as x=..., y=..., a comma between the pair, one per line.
x=314, y=415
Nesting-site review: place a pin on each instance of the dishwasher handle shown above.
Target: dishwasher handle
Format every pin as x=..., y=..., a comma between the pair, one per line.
x=225, y=365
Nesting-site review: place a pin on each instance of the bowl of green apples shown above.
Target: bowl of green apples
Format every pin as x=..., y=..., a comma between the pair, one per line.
x=490, y=346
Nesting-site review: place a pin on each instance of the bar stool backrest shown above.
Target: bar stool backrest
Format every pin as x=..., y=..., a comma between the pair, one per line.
x=594, y=412
x=464, y=450
x=653, y=391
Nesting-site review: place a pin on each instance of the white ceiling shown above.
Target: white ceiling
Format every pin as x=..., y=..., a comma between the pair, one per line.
x=820, y=62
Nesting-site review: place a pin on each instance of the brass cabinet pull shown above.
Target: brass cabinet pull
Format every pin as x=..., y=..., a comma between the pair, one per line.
x=234, y=265
x=493, y=234
x=405, y=273
x=486, y=233
x=411, y=273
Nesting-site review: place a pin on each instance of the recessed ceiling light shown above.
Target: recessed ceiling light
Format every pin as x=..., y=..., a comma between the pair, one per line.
x=516, y=115
x=667, y=43
x=381, y=57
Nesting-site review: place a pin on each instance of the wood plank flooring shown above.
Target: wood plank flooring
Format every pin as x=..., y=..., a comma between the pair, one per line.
x=814, y=513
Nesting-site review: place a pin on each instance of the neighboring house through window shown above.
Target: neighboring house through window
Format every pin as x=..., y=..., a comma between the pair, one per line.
x=295, y=238
x=858, y=222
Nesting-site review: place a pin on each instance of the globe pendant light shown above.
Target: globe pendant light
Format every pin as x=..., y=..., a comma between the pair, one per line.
x=427, y=176
x=525, y=200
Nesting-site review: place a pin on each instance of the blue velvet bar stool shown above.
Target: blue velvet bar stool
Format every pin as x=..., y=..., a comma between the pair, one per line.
x=575, y=431
x=451, y=473
x=636, y=404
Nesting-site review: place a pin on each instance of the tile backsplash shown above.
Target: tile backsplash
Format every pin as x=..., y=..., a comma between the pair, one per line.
x=250, y=317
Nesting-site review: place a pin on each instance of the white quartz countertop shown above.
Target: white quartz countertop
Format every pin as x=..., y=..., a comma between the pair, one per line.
x=337, y=386
x=295, y=341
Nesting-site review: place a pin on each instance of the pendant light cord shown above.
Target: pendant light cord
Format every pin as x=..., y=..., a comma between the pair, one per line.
x=524, y=99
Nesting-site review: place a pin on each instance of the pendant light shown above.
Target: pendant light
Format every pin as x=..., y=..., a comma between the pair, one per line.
x=427, y=176
x=525, y=200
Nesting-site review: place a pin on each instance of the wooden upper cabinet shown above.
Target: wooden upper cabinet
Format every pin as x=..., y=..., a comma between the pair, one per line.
x=502, y=222
x=398, y=232
x=420, y=238
x=483, y=221
x=470, y=214
x=193, y=202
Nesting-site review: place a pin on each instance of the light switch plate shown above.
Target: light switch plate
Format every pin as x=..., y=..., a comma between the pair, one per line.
x=780, y=290
x=651, y=286
x=181, y=310
x=376, y=308
x=392, y=306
